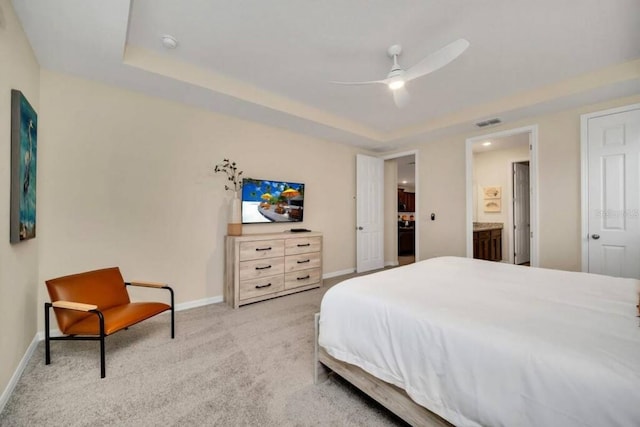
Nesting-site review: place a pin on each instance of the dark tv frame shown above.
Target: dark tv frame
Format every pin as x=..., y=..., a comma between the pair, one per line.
x=275, y=202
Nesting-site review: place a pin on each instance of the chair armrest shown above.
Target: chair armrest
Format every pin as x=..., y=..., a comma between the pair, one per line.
x=147, y=284
x=70, y=305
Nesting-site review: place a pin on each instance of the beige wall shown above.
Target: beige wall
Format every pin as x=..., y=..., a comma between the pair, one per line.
x=442, y=188
x=128, y=180
x=442, y=192
x=18, y=262
x=490, y=169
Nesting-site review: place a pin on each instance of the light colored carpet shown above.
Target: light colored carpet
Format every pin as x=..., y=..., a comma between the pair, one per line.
x=247, y=367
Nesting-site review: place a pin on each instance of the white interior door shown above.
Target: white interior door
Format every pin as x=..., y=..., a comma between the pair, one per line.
x=521, y=214
x=369, y=213
x=613, y=158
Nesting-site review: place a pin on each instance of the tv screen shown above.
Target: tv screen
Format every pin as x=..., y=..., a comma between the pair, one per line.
x=271, y=201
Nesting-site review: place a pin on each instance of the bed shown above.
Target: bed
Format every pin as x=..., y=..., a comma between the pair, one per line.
x=478, y=343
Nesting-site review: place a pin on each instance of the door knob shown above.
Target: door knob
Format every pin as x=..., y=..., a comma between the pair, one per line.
x=595, y=236
x=359, y=228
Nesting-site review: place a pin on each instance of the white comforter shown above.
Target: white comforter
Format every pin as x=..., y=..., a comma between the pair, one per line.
x=492, y=344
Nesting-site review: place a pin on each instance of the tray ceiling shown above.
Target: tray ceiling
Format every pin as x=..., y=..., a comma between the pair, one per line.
x=272, y=62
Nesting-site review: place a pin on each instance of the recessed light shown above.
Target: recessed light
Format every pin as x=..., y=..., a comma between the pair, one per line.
x=404, y=182
x=486, y=144
x=169, y=42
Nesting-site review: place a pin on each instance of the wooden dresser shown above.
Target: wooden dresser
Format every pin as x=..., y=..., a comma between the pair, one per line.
x=263, y=266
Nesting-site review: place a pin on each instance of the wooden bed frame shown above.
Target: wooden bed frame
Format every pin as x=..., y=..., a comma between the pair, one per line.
x=388, y=395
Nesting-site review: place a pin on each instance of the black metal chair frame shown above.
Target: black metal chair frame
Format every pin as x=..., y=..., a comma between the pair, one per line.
x=48, y=338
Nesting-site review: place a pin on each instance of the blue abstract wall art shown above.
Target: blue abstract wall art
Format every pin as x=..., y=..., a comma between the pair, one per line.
x=24, y=148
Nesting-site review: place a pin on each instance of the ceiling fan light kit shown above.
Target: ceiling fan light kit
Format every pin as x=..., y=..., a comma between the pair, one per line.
x=395, y=77
x=396, y=83
x=398, y=77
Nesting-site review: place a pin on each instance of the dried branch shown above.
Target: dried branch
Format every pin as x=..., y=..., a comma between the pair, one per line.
x=230, y=169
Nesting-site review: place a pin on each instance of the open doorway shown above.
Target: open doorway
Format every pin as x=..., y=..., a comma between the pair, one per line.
x=501, y=196
x=377, y=210
x=406, y=202
x=401, y=209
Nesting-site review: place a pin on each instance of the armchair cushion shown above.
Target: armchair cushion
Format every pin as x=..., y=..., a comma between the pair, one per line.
x=117, y=318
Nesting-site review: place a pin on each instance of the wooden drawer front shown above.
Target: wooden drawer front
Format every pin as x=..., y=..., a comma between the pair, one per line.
x=261, y=249
x=303, y=245
x=301, y=278
x=261, y=286
x=261, y=268
x=484, y=234
x=302, y=262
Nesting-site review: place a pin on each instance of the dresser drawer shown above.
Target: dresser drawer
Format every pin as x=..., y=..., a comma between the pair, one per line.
x=301, y=261
x=303, y=245
x=261, y=249
x=261, y=268
x=301, y=278
x=261, y=286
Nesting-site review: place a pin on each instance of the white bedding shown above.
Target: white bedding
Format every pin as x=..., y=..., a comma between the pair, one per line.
x=492, y=344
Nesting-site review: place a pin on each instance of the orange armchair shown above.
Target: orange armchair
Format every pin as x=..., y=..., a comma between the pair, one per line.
x=95, y=304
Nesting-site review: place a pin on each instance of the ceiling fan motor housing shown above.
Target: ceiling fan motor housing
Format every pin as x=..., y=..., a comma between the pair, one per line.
x=394, y=50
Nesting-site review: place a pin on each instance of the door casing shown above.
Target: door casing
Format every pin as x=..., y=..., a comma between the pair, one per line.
x=533, y=182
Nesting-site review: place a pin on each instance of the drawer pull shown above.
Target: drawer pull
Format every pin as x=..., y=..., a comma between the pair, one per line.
x=263, y=249
x=263, y=286
x=304, y=278
x=263, y=268
x=304, y=262
x=301, y=245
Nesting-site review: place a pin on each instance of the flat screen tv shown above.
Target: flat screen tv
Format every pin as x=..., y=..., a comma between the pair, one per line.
x=265, y=201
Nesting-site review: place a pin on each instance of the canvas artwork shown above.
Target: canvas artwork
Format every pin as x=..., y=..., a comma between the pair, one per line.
x=494, y=192
x=492, y=198
x=492, y=205
x=24, y=148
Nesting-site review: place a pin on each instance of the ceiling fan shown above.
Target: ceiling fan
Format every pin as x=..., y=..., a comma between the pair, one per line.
x=397, y=77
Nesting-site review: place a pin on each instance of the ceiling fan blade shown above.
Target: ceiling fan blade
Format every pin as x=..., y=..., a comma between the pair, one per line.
x=361, y=83
x=401, y=97
x=437, y=59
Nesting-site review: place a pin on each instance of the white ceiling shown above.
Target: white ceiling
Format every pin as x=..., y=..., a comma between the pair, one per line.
x=271, y=61
x=501, y=143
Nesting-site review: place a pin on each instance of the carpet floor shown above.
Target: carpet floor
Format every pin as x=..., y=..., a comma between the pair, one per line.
x=247, y=367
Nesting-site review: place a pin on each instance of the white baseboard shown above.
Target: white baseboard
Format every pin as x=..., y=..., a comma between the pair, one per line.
x=391, y=263
x=52, y=333
x=199, y=303
x=338, y=273
x=6, y=394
